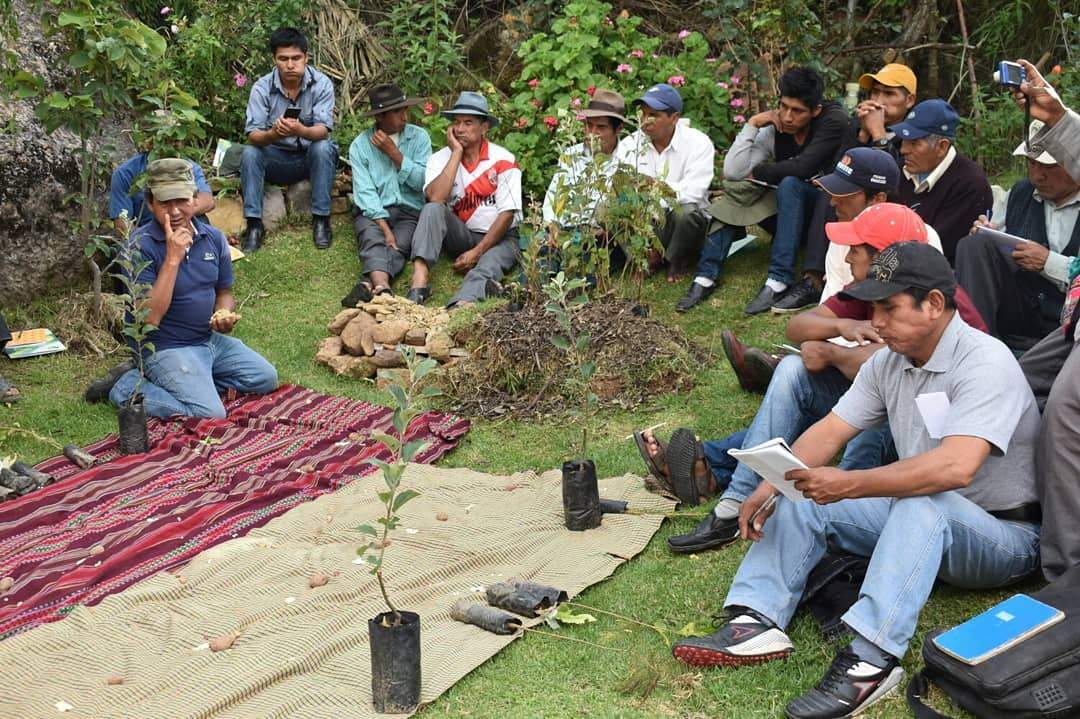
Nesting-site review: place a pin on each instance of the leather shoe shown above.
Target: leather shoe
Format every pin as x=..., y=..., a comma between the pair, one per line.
x=320, y=231
x=735, y=351
x=253, y=236
x=802, y=295
x=760, y=366
x=99, y=389
x=765, y=299
x=694, y=296
x=361, y=292
x=418, y=295
x=710, y=533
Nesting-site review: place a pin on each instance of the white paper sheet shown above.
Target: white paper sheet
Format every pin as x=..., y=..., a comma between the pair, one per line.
x=934, y=409
x=772, y=460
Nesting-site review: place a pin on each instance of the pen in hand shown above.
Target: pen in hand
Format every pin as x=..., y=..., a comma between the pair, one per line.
x=763, y=508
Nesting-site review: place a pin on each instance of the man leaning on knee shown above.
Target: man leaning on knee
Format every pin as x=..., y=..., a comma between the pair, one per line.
x=959, y=505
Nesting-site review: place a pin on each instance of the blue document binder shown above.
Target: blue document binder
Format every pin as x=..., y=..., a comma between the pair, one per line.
x=998, y=628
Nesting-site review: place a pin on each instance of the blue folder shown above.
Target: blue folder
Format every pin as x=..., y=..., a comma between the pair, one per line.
x=998, y=628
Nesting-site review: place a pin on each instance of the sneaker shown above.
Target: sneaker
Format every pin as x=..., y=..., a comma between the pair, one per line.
x=744, y=639
x=848, y=687
x=804, y=294
x=99, y=389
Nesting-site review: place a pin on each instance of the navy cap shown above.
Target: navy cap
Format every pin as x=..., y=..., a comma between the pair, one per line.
x=661, y=97
x=928, y=117
x=862, y=168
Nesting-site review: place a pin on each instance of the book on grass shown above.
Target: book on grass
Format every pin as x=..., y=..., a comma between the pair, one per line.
x=772, y=460
x=998, y=628
x=32, y=343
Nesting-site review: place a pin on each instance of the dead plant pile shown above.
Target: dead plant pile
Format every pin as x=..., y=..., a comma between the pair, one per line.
x=514, y=370
x=85, y=330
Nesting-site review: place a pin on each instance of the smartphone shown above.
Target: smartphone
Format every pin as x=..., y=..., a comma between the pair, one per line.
x=292, y=113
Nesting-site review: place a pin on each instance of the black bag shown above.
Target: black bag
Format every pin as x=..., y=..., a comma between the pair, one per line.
x=832, y=587
x=1039, y=677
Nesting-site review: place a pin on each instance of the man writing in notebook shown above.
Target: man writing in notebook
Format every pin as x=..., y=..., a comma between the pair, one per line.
x=959, y=505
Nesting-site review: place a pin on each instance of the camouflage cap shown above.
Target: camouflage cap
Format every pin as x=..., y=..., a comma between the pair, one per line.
x=170, y=178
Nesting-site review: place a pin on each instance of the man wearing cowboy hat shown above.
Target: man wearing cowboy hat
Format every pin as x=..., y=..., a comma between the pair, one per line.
x=1020, y=292
x=473, y=190
x=576, y=188
x=388, y=163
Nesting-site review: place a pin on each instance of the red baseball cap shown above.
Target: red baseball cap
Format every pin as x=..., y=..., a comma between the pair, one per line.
x=879, y=226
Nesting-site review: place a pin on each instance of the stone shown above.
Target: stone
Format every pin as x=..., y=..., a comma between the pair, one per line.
x=416, y=336
x=273, y=209
x=367, y=344
x=353, y=367
x=439, y=346
x=341, y=319
x=388, y=358
x=385, y=377
x=328, y=348
x=352, y=334
x=6, y=583
x=298, y=199
x=390, y=332
x=227, y=215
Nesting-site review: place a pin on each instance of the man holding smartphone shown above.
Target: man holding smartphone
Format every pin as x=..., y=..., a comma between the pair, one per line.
x=290, y=114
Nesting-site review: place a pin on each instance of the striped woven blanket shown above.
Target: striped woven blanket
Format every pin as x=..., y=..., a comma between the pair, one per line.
x=100, y=530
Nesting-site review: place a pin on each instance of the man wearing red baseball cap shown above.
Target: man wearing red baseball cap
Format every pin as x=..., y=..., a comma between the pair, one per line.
x=804, y=387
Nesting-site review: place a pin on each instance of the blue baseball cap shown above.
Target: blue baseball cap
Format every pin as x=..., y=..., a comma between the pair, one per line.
x=935, y=117
x=862, y=168
x=661, y=97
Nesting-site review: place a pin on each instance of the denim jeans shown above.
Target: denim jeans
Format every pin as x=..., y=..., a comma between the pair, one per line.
x=795, y=399
x=910, y=542
x=722, y=464
x=281, y=167
x=795, y=200
x=715, y=250
x=187, y=380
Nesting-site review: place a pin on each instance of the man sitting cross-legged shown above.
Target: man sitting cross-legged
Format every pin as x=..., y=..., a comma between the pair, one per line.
x=473, y=190
x=191, y=305
x=388, y=164
x=959, y=505
x=805, y=387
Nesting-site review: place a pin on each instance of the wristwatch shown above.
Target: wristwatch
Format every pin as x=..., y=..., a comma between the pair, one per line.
x=882, y=143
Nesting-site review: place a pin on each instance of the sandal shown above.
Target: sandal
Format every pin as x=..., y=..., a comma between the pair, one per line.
x=650, y=461
x=383, y=290
x=9, y=393
x=683, y=453
x=361, y=292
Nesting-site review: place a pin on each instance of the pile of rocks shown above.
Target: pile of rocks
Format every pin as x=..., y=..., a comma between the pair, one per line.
x=368, y=339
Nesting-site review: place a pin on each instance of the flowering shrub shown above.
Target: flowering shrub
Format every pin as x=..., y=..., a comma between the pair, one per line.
x=587, y=48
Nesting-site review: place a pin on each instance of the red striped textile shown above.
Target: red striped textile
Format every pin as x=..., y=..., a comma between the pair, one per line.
x=204, y=481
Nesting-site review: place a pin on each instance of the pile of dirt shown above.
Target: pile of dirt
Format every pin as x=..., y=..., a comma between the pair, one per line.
x=514, y=369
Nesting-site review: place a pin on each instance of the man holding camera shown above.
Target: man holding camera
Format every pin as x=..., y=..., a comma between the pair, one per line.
x=290, y=114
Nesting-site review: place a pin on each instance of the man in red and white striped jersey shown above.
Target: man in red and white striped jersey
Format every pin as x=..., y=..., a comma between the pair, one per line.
x=473, y=192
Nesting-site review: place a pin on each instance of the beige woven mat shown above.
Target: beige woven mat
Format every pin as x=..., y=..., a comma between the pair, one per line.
x=303, y=652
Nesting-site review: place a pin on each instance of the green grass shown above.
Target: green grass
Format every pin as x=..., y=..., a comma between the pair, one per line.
x=536, y=676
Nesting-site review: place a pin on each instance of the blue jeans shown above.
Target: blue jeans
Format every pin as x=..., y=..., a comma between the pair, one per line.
x=281, y=167
x=187, y=380
x=910, y=542
x=797, y=398
x=720, y=463
x=794, y=199
x=715, y=250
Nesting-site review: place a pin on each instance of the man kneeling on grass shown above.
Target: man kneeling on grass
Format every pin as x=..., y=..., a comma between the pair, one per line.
x=192, y=306
x=959, y=505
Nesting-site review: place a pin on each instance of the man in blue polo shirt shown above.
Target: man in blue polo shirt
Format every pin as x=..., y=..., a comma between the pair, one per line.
x=191, y=304
x=388, y=164
x=290, y=114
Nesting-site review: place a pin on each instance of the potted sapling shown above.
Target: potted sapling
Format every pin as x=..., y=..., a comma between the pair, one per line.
x=580, y=492
x=394, y=635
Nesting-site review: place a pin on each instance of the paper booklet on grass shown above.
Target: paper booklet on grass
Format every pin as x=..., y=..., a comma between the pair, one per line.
x=772, y=460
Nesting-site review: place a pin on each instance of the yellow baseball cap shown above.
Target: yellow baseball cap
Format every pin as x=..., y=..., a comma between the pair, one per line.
x=894, y=75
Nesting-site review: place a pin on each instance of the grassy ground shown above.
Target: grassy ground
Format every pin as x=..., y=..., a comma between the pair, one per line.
x=536, y=676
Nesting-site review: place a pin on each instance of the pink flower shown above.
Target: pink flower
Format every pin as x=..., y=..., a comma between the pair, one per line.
x=609, y=21
x=534, y=102
x=734, y=79
x=591, y=90
x=550, y=121
x=722, y=84
x=683, y=34
x=676, y=80
x=623, y=68
x=240, y=79
x=521, y=122
x=579, y=116
x=166, y=10
x=739, y=119
x=534, y=82
x=737, y=102
x=428, y=108
x=656, y=54
x=637, y=53
x=576, y=102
